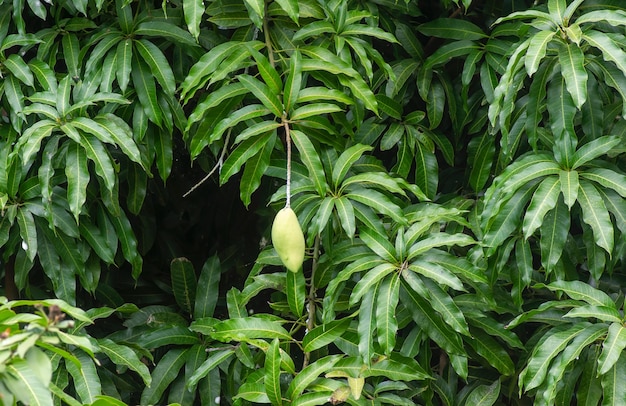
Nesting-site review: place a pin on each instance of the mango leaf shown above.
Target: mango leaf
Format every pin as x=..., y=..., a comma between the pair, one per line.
x=596, y=215
x=492, y=352
x=572, y=61
x=208, y=288
x=158, y=63
x=554, y=231
x=125, y=356
x=26, y=385
x=296, y=292
x=324, y=334
x=184, y=283
x=28, y=232
x=193, y=10
x=244, y=151
x=215, y=359
x=607, y=178
x=484, y=395
x=550, y=345
x=77, y=175
x=430, y=321
x=612, y=381
x=308, y=374
x=569, y=356
x=452, y=28
x=569, y=187
x=167, y=369
x=271, y=380
x=85, y=377
x=387, y=299
x=397, y=368
x=264, y=93
x=243, y=328
x=544, y=199
x=612, y=347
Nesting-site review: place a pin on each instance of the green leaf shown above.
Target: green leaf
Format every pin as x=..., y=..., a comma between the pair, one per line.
x=612, y=347
x=184, y=283
x=311, y=159
x=127, y=240
x=582, y=291
x=484, y=395
x=492, y=352
x=346, y=160
x=244, y=151
x=612, y=383
x=569, y=187
x=16, y=65
x=248, y=112
x=77, y=175
x=293, y=84
x=366, y=326
x=397, y=368
x=436, y=240
x=481, y=152
x=606, y=178
x=572, y=61
x=124, y=356
x=239, y=329
x=324, y=334
x=158, y=63
x=193, y=10
x=28, y=232
x=554, y=231
x=370, y=280
x=215, y=359
x=25, y=384
x=271, y=380
x=569, y=356
x=427, y=319
x=442, y=302
x=345, y=212
x=592, y=150
x=313, y=110
x=162, y=29
x=308, y=374
x=596, y=215
x=167, y=369
x=291, y=7
x=537, y=50
x=85, y=377
x=296, y=292
x=610, y=51
x=452, y=50
x=167, y=335
x=544, y=199
x=550, y=345
x=388, y=295
x=207, y=291
x=377, y=201
x=124, y=55
x=263, y=92
x=379, y=244
x=603, y=313
x=452, y=28
x=145, y=87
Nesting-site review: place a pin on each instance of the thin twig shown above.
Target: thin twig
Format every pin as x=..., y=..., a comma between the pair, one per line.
x=218, y=165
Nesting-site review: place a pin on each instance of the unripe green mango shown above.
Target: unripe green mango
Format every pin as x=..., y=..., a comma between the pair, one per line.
x=288, y=239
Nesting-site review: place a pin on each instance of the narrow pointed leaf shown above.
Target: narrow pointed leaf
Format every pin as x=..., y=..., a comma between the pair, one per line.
x=596, y=215
x=572, y=62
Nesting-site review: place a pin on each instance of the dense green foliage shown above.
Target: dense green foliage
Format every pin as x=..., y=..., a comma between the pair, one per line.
x=457, y=168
